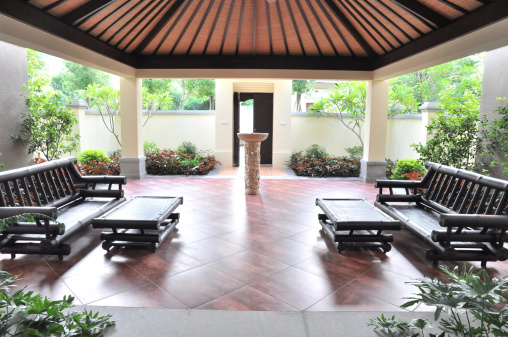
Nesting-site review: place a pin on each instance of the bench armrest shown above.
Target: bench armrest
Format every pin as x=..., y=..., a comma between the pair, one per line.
x=121, y=180
x=473, y=220
x=6, y=212
x=380, y=183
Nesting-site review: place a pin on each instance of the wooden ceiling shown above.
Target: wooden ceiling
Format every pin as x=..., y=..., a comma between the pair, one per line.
x=257, y=34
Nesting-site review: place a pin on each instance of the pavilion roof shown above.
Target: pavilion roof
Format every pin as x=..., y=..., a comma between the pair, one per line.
x=257, y=34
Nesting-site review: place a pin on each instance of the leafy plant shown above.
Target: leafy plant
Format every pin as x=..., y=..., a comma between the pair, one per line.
x=48, y=127
x=167, y=162
x=495, y=133
x=28, y=314
x=304, y=165
x=155, y=102
x=390, y=166
x=407, y=166
x=26, y=217
x=150, y=147
x=1, y=164
x=92, y=154
x=347, y=104
x=107, y=101
x=101, y=166
x=355, y=152
x=401, y=100
x=301, y=87
x=316, y=151
x=187, y=148
x=473, y=304
x=455, y=139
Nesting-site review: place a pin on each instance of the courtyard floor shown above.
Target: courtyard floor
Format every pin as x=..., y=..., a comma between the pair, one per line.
x=238, y=252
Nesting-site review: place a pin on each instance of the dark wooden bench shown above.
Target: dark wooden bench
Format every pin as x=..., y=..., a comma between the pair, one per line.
x=461, y=215
x=55, y=189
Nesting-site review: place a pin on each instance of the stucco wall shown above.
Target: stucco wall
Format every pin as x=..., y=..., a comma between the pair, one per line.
x=13, y=74
x=495, y=84
x=402, y=131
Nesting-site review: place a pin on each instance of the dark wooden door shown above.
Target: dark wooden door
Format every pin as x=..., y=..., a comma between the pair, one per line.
x=263, y=123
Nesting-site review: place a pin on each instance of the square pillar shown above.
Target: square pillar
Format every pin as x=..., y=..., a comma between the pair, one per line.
x=376, y=122
x=281, y=122
x=224, y=121
x=79, y=106
x=428, y=110
x=132, y=163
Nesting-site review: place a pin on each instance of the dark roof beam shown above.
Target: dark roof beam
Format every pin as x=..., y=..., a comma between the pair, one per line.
x=138, y=13
x=242, y=10
x=349, y=26
x=120, y=19
x=322, y=27
x=227, y=26
x=389, y=20
x=296, y=27
x=108, y=16
x=359, y=3
x=213, y=26
x=89, y=8
x=184, y=30
x=281, y=23
x=400, y=17
x=423, y=13
x=309, y=27
x=269, y=26
x=337, y=30
x=177, y=20
x=53, y=5
x=454, y=6
x=200, y=26
x=254, y=30
x=159, y=26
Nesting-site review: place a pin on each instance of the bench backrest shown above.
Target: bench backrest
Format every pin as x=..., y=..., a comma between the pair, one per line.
x=464, y=192
x=47, y=184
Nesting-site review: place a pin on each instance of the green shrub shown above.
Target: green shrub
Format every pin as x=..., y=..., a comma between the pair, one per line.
x=325, y=167
x=407, y=166
x=316, y=151
x=92, y=154
x=390, y=166
x=187, y=148
x=355, y=152
x=1, y=165
x=150, y=147
x=167, y=162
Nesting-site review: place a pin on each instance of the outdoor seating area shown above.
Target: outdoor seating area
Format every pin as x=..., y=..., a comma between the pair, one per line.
x=232, y=251
x=460, y=214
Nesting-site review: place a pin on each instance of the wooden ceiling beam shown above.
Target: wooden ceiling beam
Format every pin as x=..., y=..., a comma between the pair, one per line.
x=323, y=29
x=187, y=24
x=422, y=12
x=349, y=26
x=210, y=5
x=389, y=20
x=267, y=8
x=89, y=8
x=159, y=26
x=108, y=16
x=117, y=21
x=49, y=24
x=337, y=30
x=454, y=6
x=53, y=5
x=388, y=8
x=296, y=27
x=281, y=23
x=213, y=26
x=254, y=28
x=373, y=17
x=177, y=20
x=227, y=26
x=309, y=28
x=254, y=62
x=478, y=19
x=240, y=23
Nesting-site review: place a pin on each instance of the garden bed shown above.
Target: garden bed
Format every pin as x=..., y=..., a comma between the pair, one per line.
x=329, y=166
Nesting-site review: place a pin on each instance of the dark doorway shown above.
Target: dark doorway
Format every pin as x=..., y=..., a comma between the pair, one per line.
x=263, y=123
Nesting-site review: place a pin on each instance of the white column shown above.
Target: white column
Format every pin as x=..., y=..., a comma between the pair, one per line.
x=428, y=110
x=132, y=163
x=281, y=122
x=224, y=122
x=376, y=121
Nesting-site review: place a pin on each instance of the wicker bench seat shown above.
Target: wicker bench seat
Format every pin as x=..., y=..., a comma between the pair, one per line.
x=460, y=215
x=55, y=189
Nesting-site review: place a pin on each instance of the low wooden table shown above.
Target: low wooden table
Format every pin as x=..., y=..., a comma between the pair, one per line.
x=356, y=223
x=140, y=223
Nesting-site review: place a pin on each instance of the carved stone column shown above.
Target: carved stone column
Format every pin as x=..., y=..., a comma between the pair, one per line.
x=252, y=160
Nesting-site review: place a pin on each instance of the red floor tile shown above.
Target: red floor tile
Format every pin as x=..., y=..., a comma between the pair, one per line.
x=198, y=286
x=210, y=250
x=32, y=274
x=287, y=251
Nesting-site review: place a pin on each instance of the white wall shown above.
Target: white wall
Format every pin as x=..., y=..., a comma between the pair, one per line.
x=170, y=129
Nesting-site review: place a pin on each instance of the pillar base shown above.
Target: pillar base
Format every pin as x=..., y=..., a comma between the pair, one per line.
x=133, y=168
x=372, y=170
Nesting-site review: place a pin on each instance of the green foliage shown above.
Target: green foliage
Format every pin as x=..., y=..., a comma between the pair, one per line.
x=455, y=139
x=48, y=127
x=355, y=152
x=150, y=147
x=187, y=148
x=1, y=164
x=453, y=78
x=405, y=166
x=316, y=151
x=469, y=304
x=401, y=100
x=28, y=314
x=301, y=87
x=154, y=102
x=107, y=101
x=167, y=162
x=157, y=85
x=201, y=89
x=26, y=217
x=495, y=134
x=76, y=78
x=92, y=154
x=323, y=166
x=347, y=104
x=38, y=76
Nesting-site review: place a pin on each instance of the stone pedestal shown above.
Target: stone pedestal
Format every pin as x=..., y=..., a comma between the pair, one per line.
x=252, y=160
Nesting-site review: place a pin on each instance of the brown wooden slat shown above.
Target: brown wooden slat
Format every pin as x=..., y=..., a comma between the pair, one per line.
x=89, y=8
x=309, y=27
x=454, y=6
x=349, y=26
x=160, y=25
x=281, y=23
x=130, y=11
x=182, y=33
x=254, y=28
x=213, y=26
x=53, y=5
x=267, y=9
x=227, y=26
x=242, y=10
x=388, y=8
x=422, y=12
x=373, y=17
x=128, y=2
x=200, y=26
x=323, y=29
x=175, y=22
x=296, y=27
x=389, y=20
x=337, y=30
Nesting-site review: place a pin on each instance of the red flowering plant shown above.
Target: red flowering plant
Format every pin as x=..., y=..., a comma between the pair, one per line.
x=101, y=166
x=168, y=162
x=328, y=166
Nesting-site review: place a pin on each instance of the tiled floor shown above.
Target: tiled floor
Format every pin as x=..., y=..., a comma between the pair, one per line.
x=237, y=252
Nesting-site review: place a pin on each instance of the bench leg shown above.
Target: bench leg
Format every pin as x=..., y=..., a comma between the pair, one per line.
x=386, y=247
x=13, y=256
x=435, y=263
x=484, y=264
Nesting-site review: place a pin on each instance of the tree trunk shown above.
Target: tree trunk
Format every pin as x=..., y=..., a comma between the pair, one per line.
x=298, y=105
